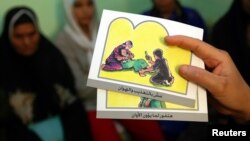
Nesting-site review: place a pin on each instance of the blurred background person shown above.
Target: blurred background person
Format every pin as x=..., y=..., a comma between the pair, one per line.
x=232, y=33
x=173, y=10
x=37, y=82
x=76, y=42
x=3, y=115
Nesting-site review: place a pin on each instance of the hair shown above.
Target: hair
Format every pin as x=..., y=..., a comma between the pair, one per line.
x=128, y=43
x=158, y=52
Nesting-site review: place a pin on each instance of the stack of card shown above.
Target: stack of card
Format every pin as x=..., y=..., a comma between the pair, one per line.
x=136, y=72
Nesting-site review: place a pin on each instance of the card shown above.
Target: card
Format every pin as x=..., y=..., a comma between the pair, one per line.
x=115, y=105
x=131, y=57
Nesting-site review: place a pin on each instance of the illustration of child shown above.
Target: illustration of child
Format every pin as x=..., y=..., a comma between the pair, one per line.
x=160, y=67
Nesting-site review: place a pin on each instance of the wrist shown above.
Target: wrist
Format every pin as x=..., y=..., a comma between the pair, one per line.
x=243, y=117
x=246, y=114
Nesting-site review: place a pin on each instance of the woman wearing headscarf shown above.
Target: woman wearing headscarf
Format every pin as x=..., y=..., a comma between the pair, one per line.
x=76, y=42
x=37, y=79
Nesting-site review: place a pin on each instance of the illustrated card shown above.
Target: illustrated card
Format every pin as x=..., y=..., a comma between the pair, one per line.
x=115, y=105
x=130, y=56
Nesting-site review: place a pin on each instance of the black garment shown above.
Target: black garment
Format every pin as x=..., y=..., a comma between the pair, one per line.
x=230, y=34
x=16, y=130
x=73, y=120
x=37, y=74
x=11, y=127
x=163, y=72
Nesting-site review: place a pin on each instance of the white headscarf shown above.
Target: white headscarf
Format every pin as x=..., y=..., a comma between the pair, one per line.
x=17, y=16
x=73, y=29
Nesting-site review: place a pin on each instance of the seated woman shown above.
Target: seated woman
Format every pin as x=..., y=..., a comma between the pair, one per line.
x=37, y=80
x=118, y=55
x=122, y=58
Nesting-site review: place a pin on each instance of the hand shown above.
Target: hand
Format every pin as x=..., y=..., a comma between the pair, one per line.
x=22, y=105
x=230, y=93
x=132, y=56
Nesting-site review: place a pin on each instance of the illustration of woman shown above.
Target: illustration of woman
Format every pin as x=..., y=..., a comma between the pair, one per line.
x=118, y=55
x=123, y=59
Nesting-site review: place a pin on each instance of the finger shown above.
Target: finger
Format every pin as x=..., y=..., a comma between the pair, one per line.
x=201, y=77
x=199, y=48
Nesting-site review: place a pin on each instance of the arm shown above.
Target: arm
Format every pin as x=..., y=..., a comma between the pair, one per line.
x=230, y=93
x=130, y=54
x=151, y=62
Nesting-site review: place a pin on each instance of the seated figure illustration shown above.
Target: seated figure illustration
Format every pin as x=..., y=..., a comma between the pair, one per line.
x=119, y=54
x=159, y=68
x=122, y=58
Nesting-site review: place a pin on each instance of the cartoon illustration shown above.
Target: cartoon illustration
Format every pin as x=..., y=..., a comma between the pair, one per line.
x=152, y=103
x=146, y=77
x=118, y=55
x=122, y=58
x=159, y=67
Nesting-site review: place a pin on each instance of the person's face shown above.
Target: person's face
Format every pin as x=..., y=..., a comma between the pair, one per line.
x=165, y=6
x=246, y=5
x=83, y=11
x=128, y=46
x=123, y=52
x=156, y=57
x=25, y=38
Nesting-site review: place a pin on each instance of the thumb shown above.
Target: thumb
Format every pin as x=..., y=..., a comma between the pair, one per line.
x=199, y=76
